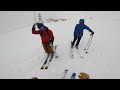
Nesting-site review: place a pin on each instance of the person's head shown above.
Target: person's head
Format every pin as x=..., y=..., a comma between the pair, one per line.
x=81, y=21
x=83, y=75
x=40, y=25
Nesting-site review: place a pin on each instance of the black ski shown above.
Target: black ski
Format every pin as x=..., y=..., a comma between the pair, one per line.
x=47, y=65
x=45, y=62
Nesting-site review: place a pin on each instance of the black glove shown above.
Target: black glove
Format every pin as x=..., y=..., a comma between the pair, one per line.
x=91, y=32
x=34, y=25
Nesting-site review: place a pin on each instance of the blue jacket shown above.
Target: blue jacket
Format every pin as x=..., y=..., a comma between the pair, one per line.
x=78, y=32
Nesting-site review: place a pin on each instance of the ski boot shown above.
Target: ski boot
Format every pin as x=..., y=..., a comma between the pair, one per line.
x=76, y=47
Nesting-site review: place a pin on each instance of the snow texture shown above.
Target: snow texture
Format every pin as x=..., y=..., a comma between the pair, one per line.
x=22, y=54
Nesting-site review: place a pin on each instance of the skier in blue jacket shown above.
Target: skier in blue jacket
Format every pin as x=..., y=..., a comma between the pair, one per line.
x=78, y=32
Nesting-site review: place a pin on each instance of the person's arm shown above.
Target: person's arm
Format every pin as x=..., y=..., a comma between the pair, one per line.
x=34, y=31
x=92, y=32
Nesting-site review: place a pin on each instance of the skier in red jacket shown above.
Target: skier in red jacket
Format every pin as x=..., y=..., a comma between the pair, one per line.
x=47, y=37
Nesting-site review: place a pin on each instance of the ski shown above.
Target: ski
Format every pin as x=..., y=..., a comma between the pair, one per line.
x=71, y=51
x=45, y=62
x=56, y=55
x=49, y=62
x=79, y=54
x=47, y=65
x=64, y=74
x=73, y=76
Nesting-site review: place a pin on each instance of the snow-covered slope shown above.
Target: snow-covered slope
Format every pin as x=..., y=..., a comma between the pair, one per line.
x=22, y=54
x=13, y=20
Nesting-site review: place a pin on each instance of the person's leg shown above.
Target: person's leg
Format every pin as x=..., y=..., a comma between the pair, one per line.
x=75, y=38
x=45, y=48
x=78, y=41
x=50, y=49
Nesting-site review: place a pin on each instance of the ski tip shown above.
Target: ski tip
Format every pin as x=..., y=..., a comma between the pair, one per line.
x=74, y=73
x=73, y=76
x=56, y=56
x=46, y=67
x=42, y=68
x=66, y=70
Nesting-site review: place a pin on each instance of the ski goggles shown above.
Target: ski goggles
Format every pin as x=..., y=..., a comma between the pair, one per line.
x=42, y=28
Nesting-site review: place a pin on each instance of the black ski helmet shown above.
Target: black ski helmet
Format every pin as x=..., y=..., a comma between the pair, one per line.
x=82, y=21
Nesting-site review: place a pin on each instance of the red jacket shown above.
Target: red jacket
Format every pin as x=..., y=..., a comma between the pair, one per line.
x=46, y=34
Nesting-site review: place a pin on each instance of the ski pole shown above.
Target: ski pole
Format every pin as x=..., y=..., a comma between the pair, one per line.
x=65, y=72
x=35, y=17
x=89, y=44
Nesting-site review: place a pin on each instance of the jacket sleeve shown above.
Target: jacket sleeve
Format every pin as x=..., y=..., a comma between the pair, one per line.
x=34, y=31
x=51, y=34
x=86, y=27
